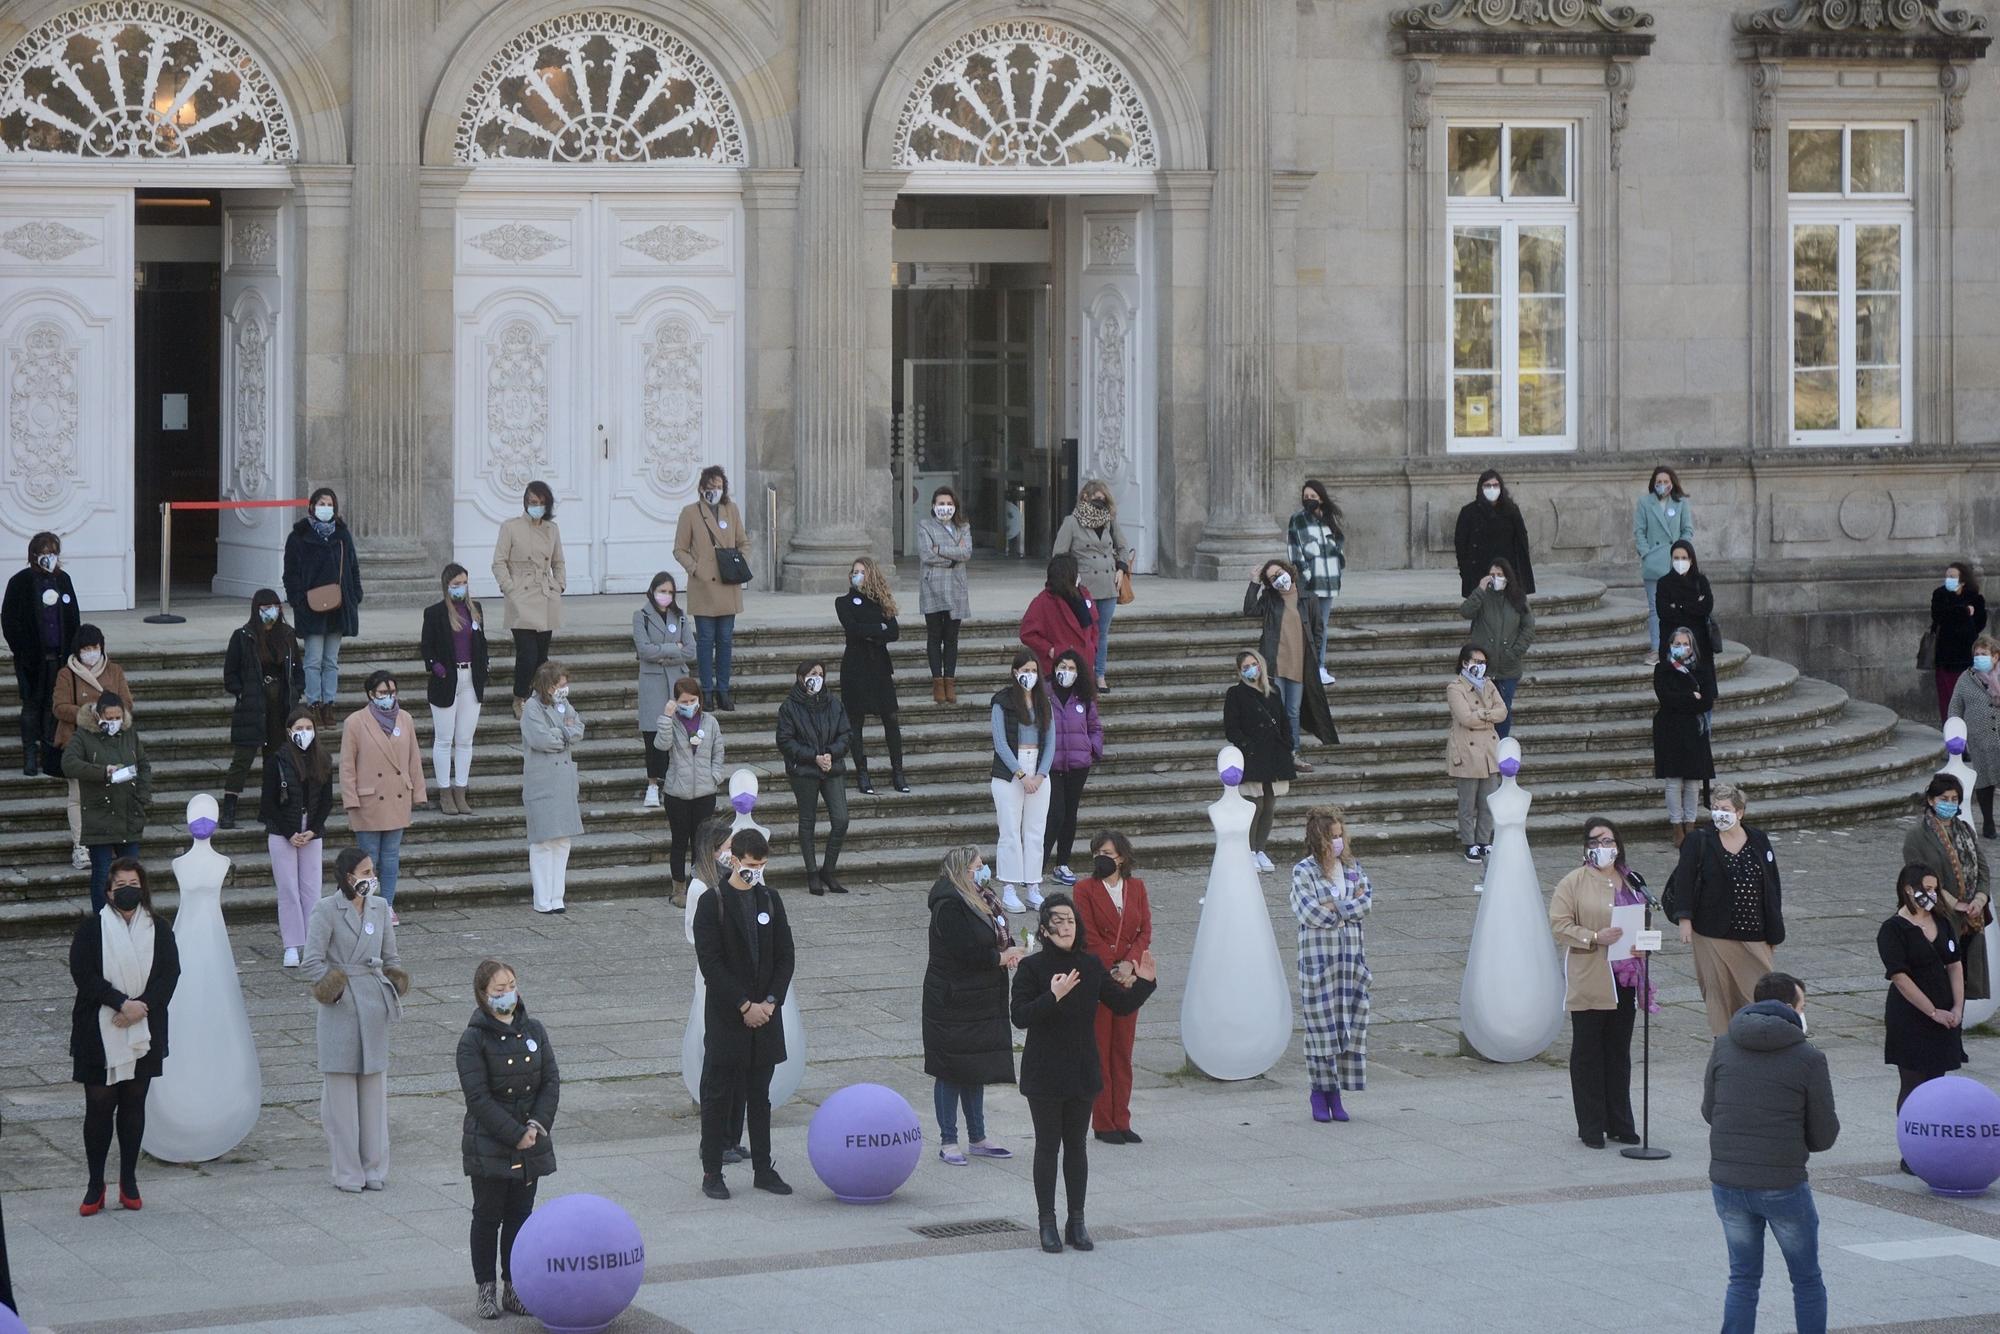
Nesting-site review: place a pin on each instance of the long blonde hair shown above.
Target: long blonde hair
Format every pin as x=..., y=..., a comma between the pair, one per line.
x=1262, y=685
x=454, y=615
x=875, y=585
x=957, y=868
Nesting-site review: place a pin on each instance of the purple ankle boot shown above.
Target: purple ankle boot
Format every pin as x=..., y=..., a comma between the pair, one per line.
x=1338, y=1112
x=1321, y=1111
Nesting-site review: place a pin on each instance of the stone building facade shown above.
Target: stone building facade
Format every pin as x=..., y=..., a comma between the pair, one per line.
x=426, y=250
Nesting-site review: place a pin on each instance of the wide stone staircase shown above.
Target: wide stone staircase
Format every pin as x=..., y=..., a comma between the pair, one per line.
x=1806, y=753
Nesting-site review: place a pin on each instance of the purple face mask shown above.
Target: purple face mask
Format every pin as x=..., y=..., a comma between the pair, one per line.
x=201, y=826
x=1955, y=746
x=1510, y=767
x=743, y=802
x=1232, y=776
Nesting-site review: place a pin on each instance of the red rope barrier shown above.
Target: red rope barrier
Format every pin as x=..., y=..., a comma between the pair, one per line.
x=234, y=504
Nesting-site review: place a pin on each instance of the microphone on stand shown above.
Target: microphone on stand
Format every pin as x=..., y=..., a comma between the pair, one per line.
x=1645, y=1149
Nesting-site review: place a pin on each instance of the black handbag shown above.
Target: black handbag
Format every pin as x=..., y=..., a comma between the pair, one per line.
x=730, y=566
x=1714, y=634
x=1927, y=651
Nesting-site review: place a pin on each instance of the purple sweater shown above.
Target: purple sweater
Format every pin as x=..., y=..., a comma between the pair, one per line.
x=1079, y=738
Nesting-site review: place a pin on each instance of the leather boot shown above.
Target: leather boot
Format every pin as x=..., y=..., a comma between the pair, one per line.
x=464, y=801
x=1074, y=1233
x=228, y=820
x=1680, y=833
x=937, y=690
x=448, y=800
x=1051, y=1239
x=951, y=690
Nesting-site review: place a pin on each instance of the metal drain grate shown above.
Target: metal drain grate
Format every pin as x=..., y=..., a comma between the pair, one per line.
x=978, y=1227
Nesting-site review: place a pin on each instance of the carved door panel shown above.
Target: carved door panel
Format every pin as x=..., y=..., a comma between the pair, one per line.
x=1111, y=268
x=257, y=446
x=66, y=383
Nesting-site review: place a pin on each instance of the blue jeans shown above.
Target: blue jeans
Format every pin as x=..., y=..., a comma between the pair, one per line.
x=1292, y=693
x=1505, y=685
x=385, y=849
x=948, y=1097
x=101, y=857
x=1795, y=1223
x=1653, y=613
x=714, y=646
x=1322, y=612
x=322, y=668
x=1106, y=607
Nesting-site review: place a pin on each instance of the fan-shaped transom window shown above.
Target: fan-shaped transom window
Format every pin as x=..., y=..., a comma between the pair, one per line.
x=139, y=79
x=1024, y=94
x=598, y=87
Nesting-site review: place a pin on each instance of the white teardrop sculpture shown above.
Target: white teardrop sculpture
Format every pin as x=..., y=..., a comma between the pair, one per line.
x=209, y=1093
x=1236, y=1013
x=785, y=1080
x=1510, y=1003
x=1977, y=1012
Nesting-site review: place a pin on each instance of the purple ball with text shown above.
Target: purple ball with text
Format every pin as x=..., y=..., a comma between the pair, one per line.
x=1949, y=1132
x=864, y=1142
x=578, y=1263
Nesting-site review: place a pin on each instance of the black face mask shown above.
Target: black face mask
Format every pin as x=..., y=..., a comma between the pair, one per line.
x=1104, y=866
x=125, y=898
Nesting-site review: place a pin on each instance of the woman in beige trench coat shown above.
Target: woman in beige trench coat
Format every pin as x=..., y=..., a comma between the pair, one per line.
x=381, y=780
x=528, y=566
x=707, y=525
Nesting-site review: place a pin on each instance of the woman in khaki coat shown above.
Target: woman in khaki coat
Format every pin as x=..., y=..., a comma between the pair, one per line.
x=1603, y=997
x=528, y=566
x=1470, y=752
x=711, y=522
x=381, y=780
x=87, y=673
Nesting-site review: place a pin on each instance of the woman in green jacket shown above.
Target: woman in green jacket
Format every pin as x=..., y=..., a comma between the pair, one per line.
x=1503, y=628
x=1662, y=517
x=114, y=787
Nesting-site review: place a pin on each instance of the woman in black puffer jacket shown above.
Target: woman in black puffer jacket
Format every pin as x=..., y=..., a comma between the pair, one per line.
x=507, y=1069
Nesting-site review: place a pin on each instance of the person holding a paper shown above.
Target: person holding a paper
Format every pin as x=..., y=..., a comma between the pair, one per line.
x=114, y=786
x=1597, y=911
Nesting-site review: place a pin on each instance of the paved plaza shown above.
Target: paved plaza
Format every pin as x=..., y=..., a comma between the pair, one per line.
x=1458, y=1197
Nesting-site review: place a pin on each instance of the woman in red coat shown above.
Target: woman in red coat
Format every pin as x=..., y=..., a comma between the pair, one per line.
x=1063, y=615
x=1118, y=928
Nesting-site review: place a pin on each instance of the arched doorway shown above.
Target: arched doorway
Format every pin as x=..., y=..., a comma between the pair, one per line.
x=598, y=290
x=145, y=331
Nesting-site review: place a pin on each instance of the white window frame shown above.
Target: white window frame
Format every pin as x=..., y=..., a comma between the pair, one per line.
x=1510, y=215
x=1847, y=210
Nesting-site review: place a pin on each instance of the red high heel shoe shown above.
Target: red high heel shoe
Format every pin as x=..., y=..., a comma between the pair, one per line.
x=132, y=1201
x=93, y=1202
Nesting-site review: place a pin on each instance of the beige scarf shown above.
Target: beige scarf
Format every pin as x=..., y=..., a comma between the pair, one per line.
x=128, y=966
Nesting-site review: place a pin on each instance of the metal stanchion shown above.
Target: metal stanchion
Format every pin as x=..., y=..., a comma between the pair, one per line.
x=770, y=536
x=165, y=615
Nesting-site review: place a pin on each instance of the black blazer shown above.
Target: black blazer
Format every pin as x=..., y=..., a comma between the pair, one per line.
x=509, y=1077
x=1485, y=531
x=21, y=623
x=867, y=677
x=291, y=803
x=93, y=993
x=723, y=953
x=1059, y=1055
x=1700, y=886
x=311, y=561
x=1685, y=600
x=1255, y=724
x=966, y=1036
x=243, y=677
x=439, y=651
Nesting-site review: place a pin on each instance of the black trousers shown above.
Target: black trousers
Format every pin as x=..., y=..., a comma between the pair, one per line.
x=109, y=1107
x=810, y=789
x=38, y=715
x=531, y=650
x=1061, y=1124
x=892, y=731
x=1065, y=795
x=684, y=816
x=1600, y=1067
x=656, y=759
x=941, y=642
x=499, y=1206
x=239, y=768
x=1985, y=795
x=725, y=1088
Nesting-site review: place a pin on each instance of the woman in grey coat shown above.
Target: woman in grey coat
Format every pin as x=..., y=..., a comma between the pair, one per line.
x=550, y=729
x=690, y=746
x=1976, y=699
x=663, y=637
x=358, y=984
x=944, y=548
x=1091, y=534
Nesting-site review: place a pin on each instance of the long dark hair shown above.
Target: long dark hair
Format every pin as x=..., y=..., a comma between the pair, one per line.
x=1911, y=879
x=1062, y=576
x=1968, y=582
x=1049, y=905
x=487, y=970
x=958, y=519
x=1694, y=562
x=1506, y=502
x=1035, y=707
x=714, y=472
x=312, y=760
x=1599, y=822
x=1086, y=684
x=276, y=637
x=1512, y=592
x=343, y=867
x=1673, y=478
x=1329, y=512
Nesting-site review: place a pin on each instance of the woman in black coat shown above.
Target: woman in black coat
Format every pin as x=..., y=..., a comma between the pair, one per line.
x=967, y=1042
x=1685, y=598
x=813, y=736
x=39, y=619
x=507, y=1071
x=1684, y=685
x=262, y=670
x=320, y=553
x=108, y=1010
x=1253, y=721
x=867, y=614
x=294, y=807
x=454, y=649
x=1057, y=991
x=1958, y=614
x=1726, y=894
x=1491, y=526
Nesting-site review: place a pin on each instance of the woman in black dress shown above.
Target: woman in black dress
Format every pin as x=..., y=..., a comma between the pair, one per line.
x=1926, y=1001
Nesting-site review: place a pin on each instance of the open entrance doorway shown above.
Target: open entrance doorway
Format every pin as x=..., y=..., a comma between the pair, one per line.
x=177, y=379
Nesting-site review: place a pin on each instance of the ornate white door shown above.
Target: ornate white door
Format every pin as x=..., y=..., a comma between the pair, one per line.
x=66, y=383
x=257, y=453
x=599, y=348
x=1111, y=271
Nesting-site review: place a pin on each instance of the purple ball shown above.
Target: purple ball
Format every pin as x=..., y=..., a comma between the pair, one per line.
x=10, y=1323
x=1949, y=1132
x=578, y=1263
x=864, y=1143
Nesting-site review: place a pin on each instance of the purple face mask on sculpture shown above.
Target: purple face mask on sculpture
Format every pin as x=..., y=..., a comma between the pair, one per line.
x=1510, y=767
x=1232, y=777
x=1955, y=746
x=743, y=802
x=201, y=827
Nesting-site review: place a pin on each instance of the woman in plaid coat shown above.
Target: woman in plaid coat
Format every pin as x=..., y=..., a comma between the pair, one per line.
x=1330, y=896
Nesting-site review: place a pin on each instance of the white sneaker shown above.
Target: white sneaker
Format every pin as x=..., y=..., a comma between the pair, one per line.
x=1326, y=678
x=652, y=797
x=1264, y=863
x=1035, y=895
x=291, y=956
x=79, y=857
x=1012, y=901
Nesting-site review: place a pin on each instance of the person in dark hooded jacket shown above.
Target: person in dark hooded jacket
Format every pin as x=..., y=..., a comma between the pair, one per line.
x=967, y=1041
x=507, y=1070
x=262, y=670
x=813, y=736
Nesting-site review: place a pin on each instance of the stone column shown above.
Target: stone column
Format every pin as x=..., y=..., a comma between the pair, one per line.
x=384, y=291
x=1239, y=527
x=830, y=381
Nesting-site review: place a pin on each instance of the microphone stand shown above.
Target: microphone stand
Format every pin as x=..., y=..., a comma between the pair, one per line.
x=1645, y=1149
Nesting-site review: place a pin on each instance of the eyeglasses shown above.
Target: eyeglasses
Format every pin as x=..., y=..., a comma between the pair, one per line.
x=1600, y=843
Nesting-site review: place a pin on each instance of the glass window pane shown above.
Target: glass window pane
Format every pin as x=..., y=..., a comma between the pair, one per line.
x=1537, y=162
x=1878, y=258
x=1541, y=256
x=1475, y=161
x=1816, y=258
x=1875, y=162
x=1472, y=334
x=1878, y=400
x=1542, y=406
x=1544, y=321
x=1473, y=409
x=1815, y=162
x=1815, y=400
x=1878, y=330
x=1815, y=331
x=1474, y=250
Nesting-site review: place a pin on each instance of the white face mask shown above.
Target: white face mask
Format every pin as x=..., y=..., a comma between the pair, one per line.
x=1492, y=494
x=1725, y=820
x=1663, y=489
x=48, y=562
x=324, y=513
x=944, y=511
x=560, y=694
x=1283, y=583
x=1027, y=679
x=1475, y=671
x=90, y=657
x=1683, y=566
x=815, y=684
x=1603, y=857
x=1499, y=583
x=713, y=496
x=111, y=726
x=1065, y=677
x=303, y=739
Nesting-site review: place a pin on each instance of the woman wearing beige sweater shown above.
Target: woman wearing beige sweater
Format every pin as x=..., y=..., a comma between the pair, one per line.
x=1470, y=752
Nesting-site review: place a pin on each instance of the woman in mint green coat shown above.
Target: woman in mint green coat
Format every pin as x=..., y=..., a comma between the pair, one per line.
x=1662, y=518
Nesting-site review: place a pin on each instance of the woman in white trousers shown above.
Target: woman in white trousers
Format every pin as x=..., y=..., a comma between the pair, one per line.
x=1023, y=752
x=454, y=649
x=550, y=729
